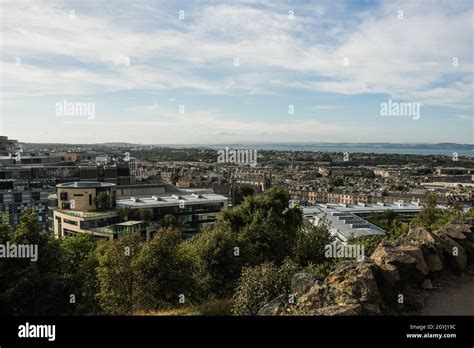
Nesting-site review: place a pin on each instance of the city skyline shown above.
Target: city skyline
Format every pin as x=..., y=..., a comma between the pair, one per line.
x=230, y=72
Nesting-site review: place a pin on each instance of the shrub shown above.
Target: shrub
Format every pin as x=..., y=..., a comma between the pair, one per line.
x=260, y=284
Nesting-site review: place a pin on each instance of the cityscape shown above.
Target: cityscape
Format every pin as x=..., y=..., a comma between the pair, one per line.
x=164, y=160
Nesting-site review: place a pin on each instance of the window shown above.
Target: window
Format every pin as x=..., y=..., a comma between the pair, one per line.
x=63, y=196
x=17, y=197
x=70, y=222
x=90, y=199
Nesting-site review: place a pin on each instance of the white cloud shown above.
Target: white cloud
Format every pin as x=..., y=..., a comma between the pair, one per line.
x=407, y=59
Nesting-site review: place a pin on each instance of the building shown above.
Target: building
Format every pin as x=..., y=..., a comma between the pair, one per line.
x=91, y=207
x=85, y=207
x=195, y=211
x=16, y=197
x=346, y=221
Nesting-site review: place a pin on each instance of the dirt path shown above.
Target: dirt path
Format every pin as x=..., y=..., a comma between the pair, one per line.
x=453, y=296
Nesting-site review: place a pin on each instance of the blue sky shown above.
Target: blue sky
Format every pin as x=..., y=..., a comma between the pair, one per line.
x=289, y=53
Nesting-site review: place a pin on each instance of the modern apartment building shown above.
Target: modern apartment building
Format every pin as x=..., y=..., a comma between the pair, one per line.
x=85, y=207
x=15, y=197
x=195, y=211
x=91, y=207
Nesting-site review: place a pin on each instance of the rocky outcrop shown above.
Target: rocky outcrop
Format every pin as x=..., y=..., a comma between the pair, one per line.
x=395, y=277
x=302, y=282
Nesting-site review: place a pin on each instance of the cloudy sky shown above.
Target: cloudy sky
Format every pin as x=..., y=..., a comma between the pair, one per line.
x=237, y=71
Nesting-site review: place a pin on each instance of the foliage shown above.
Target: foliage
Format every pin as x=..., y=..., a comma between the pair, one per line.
x=31, y=287
x=217, y=261
x=116, y=275
x=171, y=221
x=162, y=272
x=311, y=242
x=370, y=243
x=260, y=284
x=240, y=192
x=102, y=201
x=79, y=266
x=321, y=270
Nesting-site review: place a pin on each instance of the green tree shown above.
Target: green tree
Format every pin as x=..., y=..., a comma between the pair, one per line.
x=29, y=286
x=217, y=260
x=163, y=272
x=242, y=191
x=145, y=214
x=311, y=243
x=116, y=274
x=171, y=221
x=102, y=201
x=428, y=214
x=265, y=226
x=80, y=275
x=260, y=284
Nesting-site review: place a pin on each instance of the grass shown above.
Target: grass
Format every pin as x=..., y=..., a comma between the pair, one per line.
x=208, y=308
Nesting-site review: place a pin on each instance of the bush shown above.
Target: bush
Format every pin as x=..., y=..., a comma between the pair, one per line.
x=217, y=263
x=260, y=284
x=162, y=272
x=311, y=242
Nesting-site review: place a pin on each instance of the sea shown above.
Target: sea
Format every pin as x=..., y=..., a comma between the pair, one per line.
x=447, y=149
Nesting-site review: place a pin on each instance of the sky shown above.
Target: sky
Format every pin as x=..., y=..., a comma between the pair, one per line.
x=204, y=72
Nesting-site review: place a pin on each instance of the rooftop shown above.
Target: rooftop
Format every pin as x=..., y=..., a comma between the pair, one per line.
x=85, y=184
x=154, y=201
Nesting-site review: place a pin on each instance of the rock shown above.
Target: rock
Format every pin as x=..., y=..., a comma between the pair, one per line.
x=302, y=282
x=339, y=310
x=357, y=280
x=427, y=284
x=427, y=243
x=460, y=233
x=351, y=283
x=278, y=306
x=453, y=252
x=397, y=266
x=418, y=255
x=320, y=295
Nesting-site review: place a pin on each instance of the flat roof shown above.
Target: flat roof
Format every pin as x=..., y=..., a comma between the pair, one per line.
x=154, y=201
x=344, y=221
x=85, y=184
x=130, y=223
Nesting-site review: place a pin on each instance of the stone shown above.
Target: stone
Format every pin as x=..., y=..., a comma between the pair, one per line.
x=277, y=306
x=427, y=243
x=397, y=266
x=418, y=255
x=302, y=282
x=339, y=310
x=454, y=253
x=427, y=284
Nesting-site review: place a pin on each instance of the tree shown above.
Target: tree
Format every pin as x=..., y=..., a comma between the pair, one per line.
x=265, y=226
x=163, y=273
x=80, y=261
x=145, y=214
x=102, y=201
x=428, y=214
x=242, y=191
x=116, y=274
x=171, y=221
x=311, y=243
x=260, y=284
x=217, y=260
x=32, y=286
x=337, y=182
